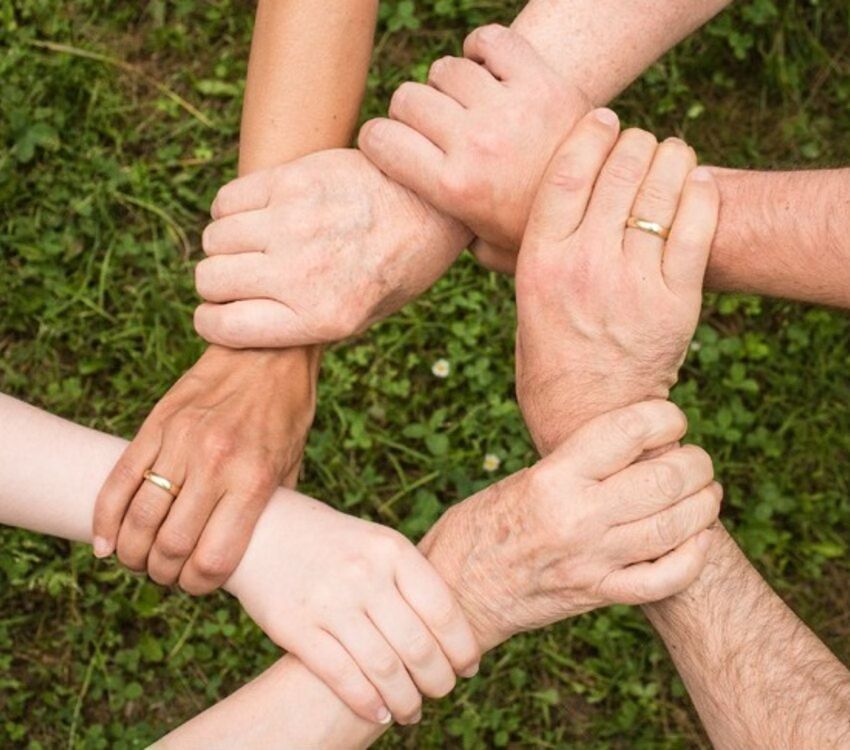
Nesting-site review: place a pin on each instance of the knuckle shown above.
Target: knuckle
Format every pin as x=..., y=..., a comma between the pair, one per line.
x=211, y=564
x=631, y=423
x=385, y=664
x=456, y=184
x=487, y=142
x=445, y=615
x=420, y=649
x=666, y=529
x=144, y=514
x=566, y=173
x=174, y=543
x=625, y=169
x=668, y=480
x=218, y=445
x=656, y=193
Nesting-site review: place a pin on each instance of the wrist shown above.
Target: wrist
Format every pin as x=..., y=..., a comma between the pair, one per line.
x=467, y=548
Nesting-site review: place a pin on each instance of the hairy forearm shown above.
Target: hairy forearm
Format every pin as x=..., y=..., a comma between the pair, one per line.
x=602, y=47
x=784, y=234
x=760, y=679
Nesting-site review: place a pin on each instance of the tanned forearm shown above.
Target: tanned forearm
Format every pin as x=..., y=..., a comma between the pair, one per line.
x=760, y=679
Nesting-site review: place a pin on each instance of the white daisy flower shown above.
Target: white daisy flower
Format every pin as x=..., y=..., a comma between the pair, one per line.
x=491, y=462
x=441, y=368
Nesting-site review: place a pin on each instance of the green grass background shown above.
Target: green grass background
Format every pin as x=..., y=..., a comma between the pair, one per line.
x=110, y=152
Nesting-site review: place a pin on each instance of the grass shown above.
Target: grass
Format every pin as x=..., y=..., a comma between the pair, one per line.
x=119, y=121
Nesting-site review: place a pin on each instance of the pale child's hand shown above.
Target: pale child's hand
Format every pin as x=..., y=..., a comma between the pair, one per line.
x=358, y=604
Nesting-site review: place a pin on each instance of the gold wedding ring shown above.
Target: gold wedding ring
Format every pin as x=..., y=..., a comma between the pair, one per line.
x=650, y=227
x=164, y=484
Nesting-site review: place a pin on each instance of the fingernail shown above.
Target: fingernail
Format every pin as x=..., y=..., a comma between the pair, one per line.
x=102, y=547
x=675, y=139
x=470, y=671
x=384, y=716
x=416, y=719
x=702, y=174
x=606, y=116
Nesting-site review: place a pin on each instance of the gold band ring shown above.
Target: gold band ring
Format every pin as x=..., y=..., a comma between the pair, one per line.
x=164, y=484
x=650, y=227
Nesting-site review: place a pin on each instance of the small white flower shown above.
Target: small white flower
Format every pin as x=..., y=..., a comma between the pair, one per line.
x=441, y=368
x=491, y=462
x=695, y=346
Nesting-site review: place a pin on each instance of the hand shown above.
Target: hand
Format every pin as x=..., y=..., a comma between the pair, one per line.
x=588, y=526
x=605, y=313
x=476, y=140
x=315, y=251
x=358, y=604
x=229, y=432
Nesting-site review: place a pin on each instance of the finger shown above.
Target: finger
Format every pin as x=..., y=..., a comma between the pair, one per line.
x=120, y=487
x=653, y=581
x=689, y=245
x=405, y=156
x=225, y=278
x=657, y=201
x=179, y=533
x=414, y=643
x=432, y=600
x=249, y=193
x=464, y=81
x=620, y=179
x=506, y=54
x=566, y=188
x=433, y=114
x=381, y=665
x=611, y=442
x=149, y=507
x=647, y=487
x=493, y=258
x=223, y=540
x=257, y=323
x=655, y=536
x=330, y=662
x=246, y=232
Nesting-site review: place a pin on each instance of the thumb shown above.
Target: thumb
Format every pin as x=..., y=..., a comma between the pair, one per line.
x=566, y=187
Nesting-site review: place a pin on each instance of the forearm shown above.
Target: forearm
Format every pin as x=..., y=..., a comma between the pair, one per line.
x=602, y=47
x=784, y=234
x=306, y=78
x=757, y=675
